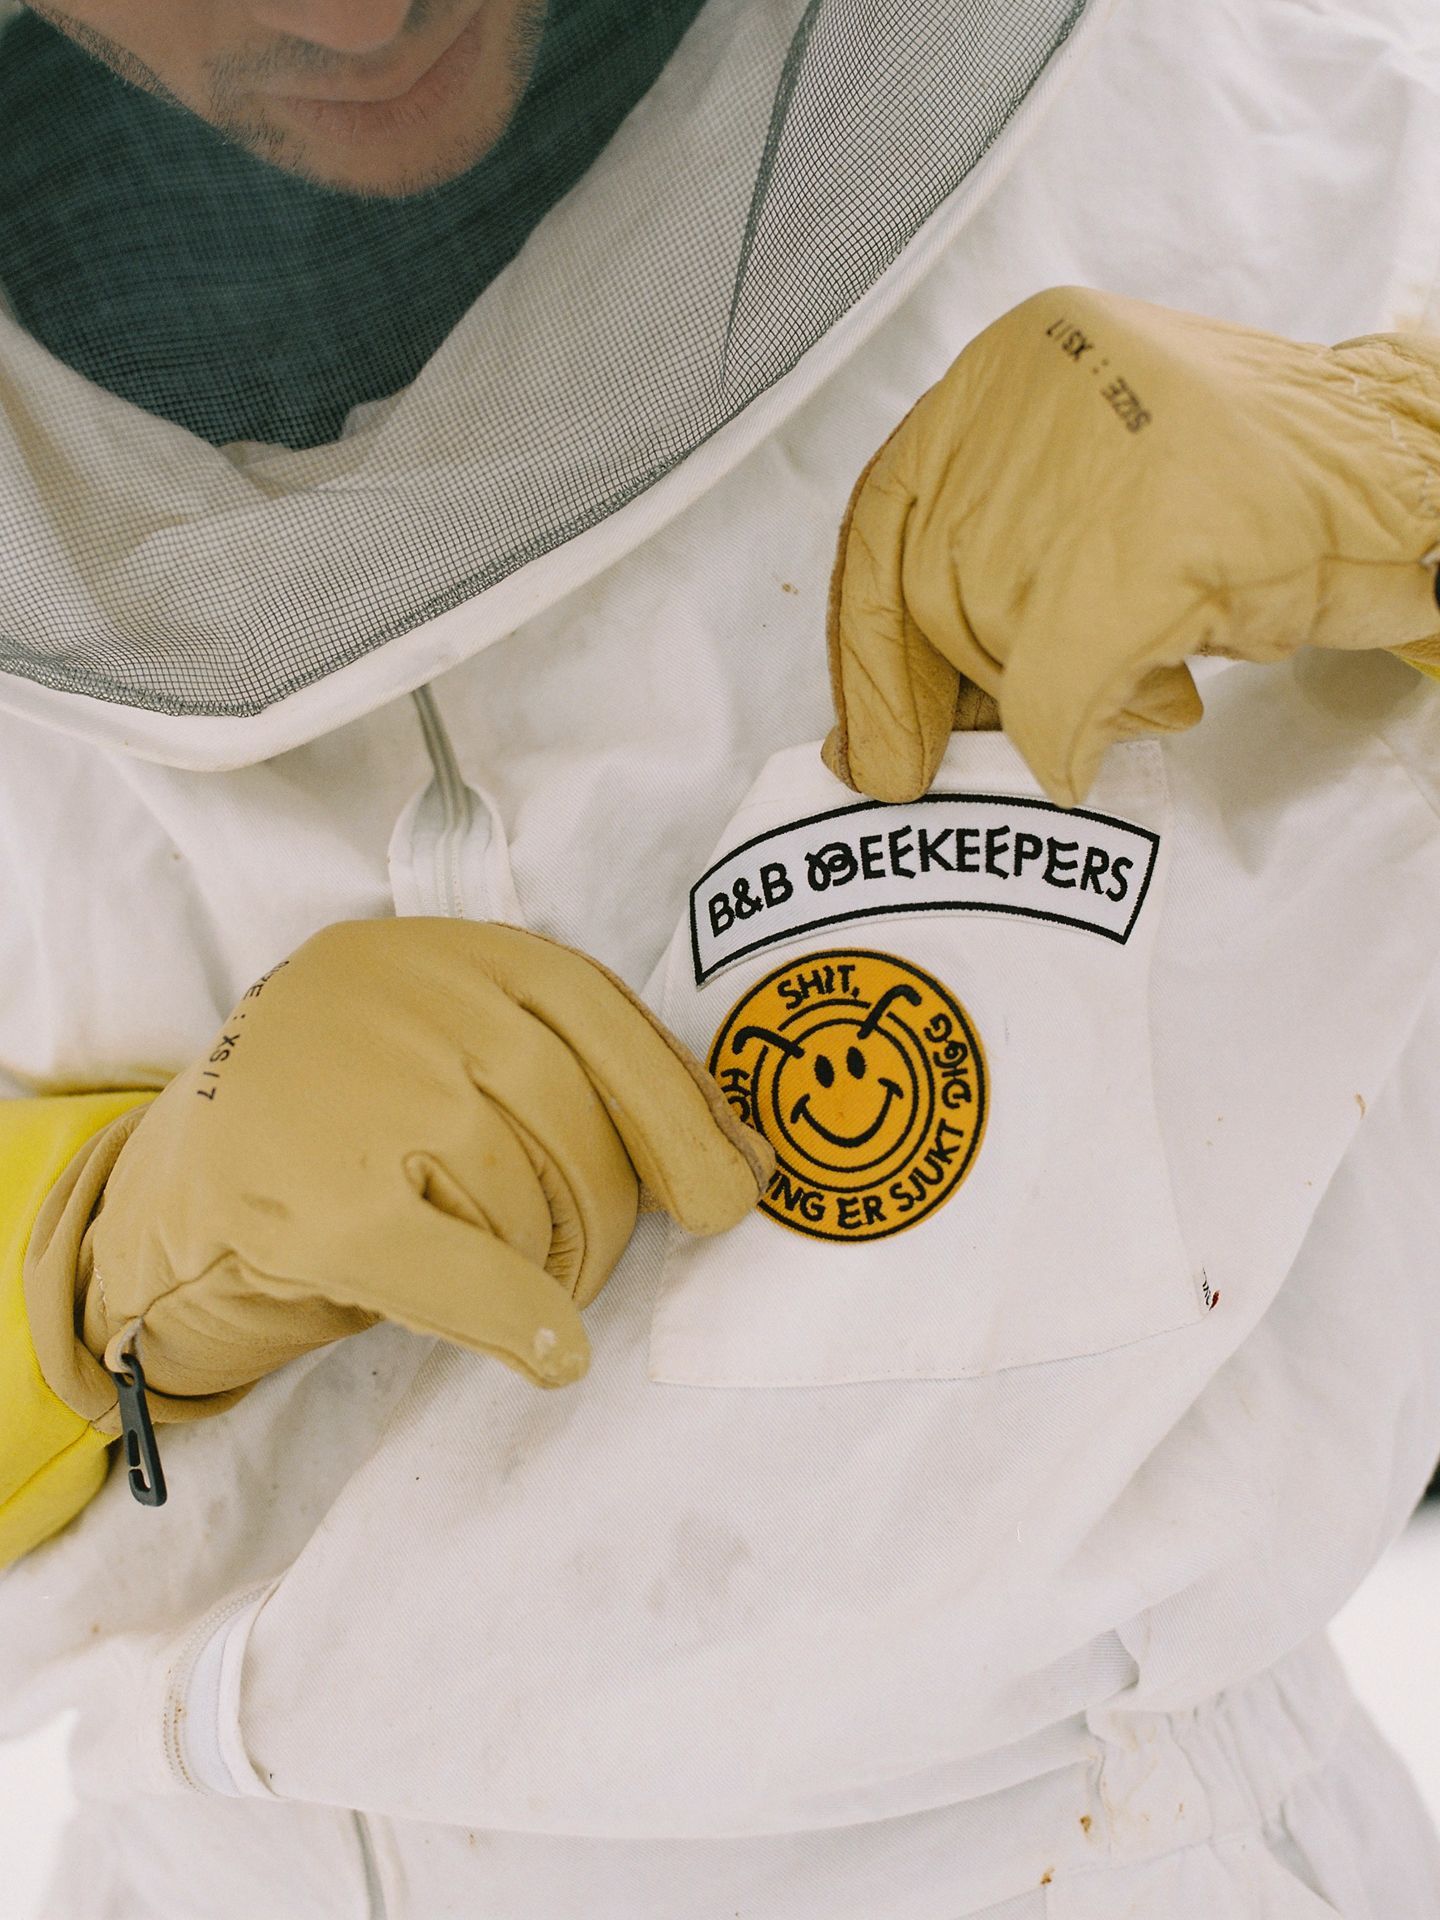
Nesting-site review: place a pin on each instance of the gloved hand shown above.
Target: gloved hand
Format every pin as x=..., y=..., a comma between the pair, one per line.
x=1099, y=489
x=430, y=1121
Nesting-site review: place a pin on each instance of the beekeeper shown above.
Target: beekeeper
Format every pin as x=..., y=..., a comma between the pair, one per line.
x=443, y=888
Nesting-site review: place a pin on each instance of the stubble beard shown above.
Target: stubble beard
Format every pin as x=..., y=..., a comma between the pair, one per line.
x=233, y=110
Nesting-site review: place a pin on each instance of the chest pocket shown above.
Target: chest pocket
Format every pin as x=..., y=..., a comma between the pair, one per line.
x=939, y=1015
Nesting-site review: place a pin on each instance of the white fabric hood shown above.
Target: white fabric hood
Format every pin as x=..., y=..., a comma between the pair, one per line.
x=208, y=606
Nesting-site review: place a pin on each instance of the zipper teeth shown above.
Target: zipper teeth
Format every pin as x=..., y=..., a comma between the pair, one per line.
x=454, y=801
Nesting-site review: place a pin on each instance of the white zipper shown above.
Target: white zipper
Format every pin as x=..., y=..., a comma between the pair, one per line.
x=448, y=857
x=456, y=801
x=448, y=853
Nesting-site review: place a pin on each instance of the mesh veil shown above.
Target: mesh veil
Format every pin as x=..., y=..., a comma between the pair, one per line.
x=300, y=424
x=165, y=262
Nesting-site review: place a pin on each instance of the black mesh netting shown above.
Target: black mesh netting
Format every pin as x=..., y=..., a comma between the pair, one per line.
x=197, y=520
x=163, y=261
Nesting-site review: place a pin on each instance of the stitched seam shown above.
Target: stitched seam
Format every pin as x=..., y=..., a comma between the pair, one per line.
x=1374, y=406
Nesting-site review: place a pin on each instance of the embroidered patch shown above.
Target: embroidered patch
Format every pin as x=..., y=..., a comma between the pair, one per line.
x=867, y=1077
x=943, y=853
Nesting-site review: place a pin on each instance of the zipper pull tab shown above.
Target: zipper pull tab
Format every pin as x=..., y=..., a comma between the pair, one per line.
x=142, y=1455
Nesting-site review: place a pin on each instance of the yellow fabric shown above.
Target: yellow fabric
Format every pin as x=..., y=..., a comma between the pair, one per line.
x=51, y=1460
x=437, y=1122
x=1431, y=668
x=1099, y=489
x=58, y=1273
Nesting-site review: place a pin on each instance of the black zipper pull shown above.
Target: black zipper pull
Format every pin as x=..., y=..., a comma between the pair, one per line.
x=142, y=1455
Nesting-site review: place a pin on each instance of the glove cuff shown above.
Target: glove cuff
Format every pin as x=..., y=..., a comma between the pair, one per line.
x=1399, y=375
x=59, y=1277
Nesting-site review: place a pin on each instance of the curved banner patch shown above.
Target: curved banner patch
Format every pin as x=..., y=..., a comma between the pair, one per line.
x=867, y=1077
x=943, y=853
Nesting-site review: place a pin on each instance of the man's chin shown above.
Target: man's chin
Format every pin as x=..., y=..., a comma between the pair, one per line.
x=446, y=120
x=394, y=169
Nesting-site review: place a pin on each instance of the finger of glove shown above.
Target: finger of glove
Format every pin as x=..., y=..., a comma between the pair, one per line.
x=1362, y=606
x=529, y=1077
x=480, y=1168
x=1068, y=695
x=213, y=1333
x=677, y=1130
x=894, y=691
x=1424, y=655
x=435, y=1274
x=1070, y=690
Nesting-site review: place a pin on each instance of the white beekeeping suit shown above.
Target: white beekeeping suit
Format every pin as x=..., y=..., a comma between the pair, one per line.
x=981, y=1568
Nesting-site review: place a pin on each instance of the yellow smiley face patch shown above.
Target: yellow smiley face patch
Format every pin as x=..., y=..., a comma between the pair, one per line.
x=867, y=1077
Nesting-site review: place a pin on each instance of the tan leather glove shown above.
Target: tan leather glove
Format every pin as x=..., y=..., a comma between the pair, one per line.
x=430, y=1121
x=1099, y=489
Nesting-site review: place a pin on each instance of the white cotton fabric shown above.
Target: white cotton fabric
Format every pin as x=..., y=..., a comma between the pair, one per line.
x=1070, y=1171
x=1044, y=1642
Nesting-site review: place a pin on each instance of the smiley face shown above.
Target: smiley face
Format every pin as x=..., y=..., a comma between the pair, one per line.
x=857, y=1065
x=845, y=1095
x=866, y=1076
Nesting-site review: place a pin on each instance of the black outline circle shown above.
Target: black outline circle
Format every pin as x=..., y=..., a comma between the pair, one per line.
x=968, y=1032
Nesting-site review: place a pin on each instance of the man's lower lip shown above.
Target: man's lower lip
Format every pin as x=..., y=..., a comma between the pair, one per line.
x=430, y=91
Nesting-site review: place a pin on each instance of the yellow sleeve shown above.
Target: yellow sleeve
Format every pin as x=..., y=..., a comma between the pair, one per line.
x=52, y=1461
x=1423, y=655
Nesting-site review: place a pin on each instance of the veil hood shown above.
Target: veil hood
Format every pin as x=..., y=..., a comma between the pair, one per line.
x=789, y=172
